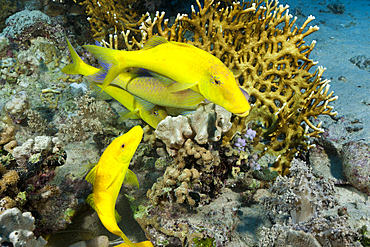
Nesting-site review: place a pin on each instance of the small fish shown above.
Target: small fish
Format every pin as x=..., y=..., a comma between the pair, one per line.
x=150, y=87
x=147, y=111
x=107, y=178
x=186, y=64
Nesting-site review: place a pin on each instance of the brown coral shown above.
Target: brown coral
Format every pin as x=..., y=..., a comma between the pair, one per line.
x=9, y=179
x=195, y=177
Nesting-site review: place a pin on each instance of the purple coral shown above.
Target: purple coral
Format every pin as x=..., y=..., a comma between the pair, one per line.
x=251, y=134
x=240, y=144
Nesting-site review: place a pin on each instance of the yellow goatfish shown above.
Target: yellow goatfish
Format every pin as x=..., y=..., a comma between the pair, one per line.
x=186, y=64
x=147, y=111
x=107, y=178
x=149, y=86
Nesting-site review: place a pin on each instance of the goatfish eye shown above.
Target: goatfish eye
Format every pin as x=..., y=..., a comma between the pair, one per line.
x=216, y=80
x=123, y=145
x=155, y=113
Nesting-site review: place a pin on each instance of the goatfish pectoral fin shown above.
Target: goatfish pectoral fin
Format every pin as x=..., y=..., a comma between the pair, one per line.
x=117, y=216
x=131, y=178
x=128, y=115
x=78, y=66
x=121, y=81
x=107, y=56
x=90, y=177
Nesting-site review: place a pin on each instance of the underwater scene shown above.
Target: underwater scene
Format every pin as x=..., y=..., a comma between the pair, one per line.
x=184, y=123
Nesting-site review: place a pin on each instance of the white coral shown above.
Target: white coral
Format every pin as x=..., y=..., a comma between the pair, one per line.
x=17, y=228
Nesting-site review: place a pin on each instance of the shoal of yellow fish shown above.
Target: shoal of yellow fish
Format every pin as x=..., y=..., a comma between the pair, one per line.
x=147, y=111
x=190, y=67
x=107, y=178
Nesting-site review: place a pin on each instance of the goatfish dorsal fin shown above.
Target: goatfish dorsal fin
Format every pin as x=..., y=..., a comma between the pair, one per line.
x=131, y=178
x=153, y=42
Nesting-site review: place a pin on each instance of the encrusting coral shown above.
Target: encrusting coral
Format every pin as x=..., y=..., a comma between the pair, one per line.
x=259, y=42
x=89, y=118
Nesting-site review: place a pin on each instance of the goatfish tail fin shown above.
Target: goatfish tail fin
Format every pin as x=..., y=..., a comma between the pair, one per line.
x=108, y=56
x=78, y=66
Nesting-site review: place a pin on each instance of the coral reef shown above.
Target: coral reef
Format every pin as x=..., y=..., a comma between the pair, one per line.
x=27, y=25
x=107, y=16
x=27, y=18
x=8, y=188
x=259, y=42
x=7, y=137
x=17, y=229
x=300, y=194
x=305, y=197
x=355, y=158
x=89, y=118
x=8, y=8
x=204, y=126
x=17, y=105
x=194, y=178
x=174, y=225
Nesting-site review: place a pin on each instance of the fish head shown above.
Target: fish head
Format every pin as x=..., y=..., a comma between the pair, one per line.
x=221, y=88
x=154, y=116
x=126, y=145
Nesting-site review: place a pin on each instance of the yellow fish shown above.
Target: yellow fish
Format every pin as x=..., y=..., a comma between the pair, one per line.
x=151, y=88
x=147, y=111
x=188, y=65
x=107, y=178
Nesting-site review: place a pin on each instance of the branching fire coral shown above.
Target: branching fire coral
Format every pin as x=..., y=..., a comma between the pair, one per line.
x=108, y=16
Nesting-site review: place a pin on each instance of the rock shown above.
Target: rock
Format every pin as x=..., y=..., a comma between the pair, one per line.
x=356, y=165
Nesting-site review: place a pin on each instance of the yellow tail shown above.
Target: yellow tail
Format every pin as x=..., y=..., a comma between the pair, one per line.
x=78, y=66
